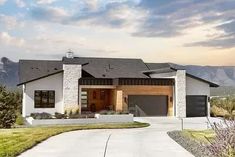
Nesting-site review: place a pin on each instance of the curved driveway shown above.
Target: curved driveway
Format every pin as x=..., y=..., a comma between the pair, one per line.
x=143, y=142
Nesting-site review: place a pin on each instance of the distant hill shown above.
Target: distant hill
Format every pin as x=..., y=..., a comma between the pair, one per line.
x=223, y=75
x=8, y=72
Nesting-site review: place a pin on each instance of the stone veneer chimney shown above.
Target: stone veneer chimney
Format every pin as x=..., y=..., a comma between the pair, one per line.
x=72, y=73
x=180, y=90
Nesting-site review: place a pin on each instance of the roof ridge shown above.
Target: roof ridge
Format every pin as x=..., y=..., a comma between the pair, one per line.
x=105, y=58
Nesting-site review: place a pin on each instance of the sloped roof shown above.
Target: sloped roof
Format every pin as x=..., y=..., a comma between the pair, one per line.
x=30, y=70
x=171, y=67
x=34, y=69
x=110, y=67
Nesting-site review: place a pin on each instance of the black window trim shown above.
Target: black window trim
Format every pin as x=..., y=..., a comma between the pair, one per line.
x=48, y=105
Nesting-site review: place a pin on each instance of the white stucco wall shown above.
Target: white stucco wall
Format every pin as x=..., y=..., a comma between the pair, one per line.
x=197, y=87
x=53, y=82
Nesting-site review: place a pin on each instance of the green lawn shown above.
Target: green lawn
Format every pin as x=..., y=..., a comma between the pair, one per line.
x=200, y=136
x=17, y=140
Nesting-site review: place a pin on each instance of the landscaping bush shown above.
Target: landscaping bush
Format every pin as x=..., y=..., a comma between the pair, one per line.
x=218, y=111
x=111, y=112
x=60, y=115
x=19, y=119
x=223, y=145
x=42, y=115
x=8, y=108
x=74, y=116
x=224, y=107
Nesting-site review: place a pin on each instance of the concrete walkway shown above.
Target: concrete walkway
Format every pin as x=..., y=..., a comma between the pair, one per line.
x=144, y=142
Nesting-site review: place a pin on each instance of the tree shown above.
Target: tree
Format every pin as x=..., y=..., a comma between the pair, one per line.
x=8, y=107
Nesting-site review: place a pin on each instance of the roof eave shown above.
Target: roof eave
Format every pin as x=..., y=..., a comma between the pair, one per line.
x=40, y=78
x=212, y=84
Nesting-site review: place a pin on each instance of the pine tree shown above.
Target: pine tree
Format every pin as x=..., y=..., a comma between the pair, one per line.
x=8, y=103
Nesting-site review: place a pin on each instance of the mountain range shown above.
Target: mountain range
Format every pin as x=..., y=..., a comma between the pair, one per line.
x=223, y=75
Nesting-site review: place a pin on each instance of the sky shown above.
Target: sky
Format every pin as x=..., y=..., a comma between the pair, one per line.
x=200, y=32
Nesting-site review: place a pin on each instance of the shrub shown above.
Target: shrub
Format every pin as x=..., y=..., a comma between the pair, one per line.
x=42, y=115
x=60, y=115
x=224, y=143
x=223, y=106
x=74, y=116
x=218, y=111
x=7, y=108
x=19, y=119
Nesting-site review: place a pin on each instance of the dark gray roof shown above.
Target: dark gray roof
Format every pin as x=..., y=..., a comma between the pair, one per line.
x=171, y=67
x=30, y=70
x=110, y=67
x=34, y=69
x=154, y=66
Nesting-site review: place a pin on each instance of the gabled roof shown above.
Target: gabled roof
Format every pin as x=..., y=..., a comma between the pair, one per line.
x=171, y=67
x=30, y=70
x=110, y=67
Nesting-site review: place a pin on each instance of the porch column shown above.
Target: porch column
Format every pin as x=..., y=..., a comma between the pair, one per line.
x=180, y=89
x=119, y=100
x=72, y=72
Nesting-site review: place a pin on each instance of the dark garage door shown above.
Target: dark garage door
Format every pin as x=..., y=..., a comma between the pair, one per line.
x=148, y=105
x=196, y=106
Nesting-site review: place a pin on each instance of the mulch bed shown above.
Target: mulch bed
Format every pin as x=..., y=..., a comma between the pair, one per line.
x=189, y=144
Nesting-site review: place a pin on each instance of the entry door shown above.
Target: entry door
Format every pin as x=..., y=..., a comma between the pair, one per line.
x=148, y=105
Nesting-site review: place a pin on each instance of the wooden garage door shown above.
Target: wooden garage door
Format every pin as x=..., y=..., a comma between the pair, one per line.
x=196, y=106
x=148, y=105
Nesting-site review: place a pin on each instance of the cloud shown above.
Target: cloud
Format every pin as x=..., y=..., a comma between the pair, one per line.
x=226, y=40
x=91, y=4
x=8, y=40
x=20, y=3
x=45, y=1
x=146, y=18
x=53, y=14
x=2, y=2
x=112, y=15
x=9, y=22
x=168, y=18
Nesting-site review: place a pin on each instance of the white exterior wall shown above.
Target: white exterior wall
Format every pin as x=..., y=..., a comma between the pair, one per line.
x=196, y=87
x=53, y=82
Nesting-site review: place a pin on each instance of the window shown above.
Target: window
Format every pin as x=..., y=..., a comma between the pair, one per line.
x=44, y=99
x=84, y=99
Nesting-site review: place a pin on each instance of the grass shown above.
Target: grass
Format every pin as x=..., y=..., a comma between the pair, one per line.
x=17, y=140
x=199, y=136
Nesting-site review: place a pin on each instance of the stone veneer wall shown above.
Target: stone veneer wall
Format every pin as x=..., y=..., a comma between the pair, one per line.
x=180, y=93
x=72, y=73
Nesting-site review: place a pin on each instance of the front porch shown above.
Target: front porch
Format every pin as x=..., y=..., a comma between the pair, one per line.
x=97, y=99
x=127, y=95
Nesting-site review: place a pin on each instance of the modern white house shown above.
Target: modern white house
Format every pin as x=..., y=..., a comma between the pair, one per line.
x=124, y=85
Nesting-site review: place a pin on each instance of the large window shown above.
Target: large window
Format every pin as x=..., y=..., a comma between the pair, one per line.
x=44, y=99
x=84, y=99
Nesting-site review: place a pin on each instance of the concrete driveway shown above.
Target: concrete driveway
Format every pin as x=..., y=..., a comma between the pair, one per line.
x=143, y=142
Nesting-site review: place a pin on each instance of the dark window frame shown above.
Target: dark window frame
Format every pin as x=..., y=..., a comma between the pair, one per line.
x=50, y=99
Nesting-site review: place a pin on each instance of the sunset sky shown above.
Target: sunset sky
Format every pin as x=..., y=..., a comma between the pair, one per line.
x=182, y=31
